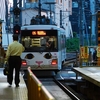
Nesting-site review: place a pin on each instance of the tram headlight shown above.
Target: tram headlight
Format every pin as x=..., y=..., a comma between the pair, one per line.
x=54, y=62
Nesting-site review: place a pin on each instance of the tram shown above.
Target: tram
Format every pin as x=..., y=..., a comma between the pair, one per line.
x=45, y=47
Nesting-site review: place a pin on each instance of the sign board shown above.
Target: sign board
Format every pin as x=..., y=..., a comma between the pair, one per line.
x=85, y=52
x=82, y=52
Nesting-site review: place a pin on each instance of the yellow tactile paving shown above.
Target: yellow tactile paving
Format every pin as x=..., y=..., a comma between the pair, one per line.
x=12, y=93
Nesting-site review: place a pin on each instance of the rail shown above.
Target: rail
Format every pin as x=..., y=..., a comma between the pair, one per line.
x=36, y=91
x=72, y=57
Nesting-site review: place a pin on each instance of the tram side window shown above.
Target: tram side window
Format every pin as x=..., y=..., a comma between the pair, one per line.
x=64, y=41
x=61, y=42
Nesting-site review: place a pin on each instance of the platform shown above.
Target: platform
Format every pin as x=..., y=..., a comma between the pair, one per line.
x=91, y=74
x=12, y=93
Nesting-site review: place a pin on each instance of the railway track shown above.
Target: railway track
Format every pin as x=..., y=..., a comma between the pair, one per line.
x=72, y=58
x=58, y=90
x=54, y=89
x=69, y=87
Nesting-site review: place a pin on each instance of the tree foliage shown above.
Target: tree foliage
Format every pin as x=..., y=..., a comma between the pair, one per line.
x=72, y=44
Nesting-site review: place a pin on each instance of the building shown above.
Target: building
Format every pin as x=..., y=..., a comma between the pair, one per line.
x=3, y=14
x=58, y=10
x=83, y=19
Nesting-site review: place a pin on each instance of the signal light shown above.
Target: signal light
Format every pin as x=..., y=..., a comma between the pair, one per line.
x=16, y=29
x=16, y=11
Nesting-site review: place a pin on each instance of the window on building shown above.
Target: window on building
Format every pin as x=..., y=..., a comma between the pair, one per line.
x=74, y=4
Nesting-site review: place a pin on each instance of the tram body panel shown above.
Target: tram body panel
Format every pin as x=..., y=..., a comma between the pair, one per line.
x=40, y=62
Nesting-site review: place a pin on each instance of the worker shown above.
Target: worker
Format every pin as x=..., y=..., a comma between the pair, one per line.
x=13, y=54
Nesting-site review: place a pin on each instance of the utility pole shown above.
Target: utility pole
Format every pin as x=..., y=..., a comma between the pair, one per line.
x=20, y=17
x=80, y=22
x=60, y=18
x=17, y=4
x=14, y=3
x=39, y=8
x=39, y=12
x=93, y=20
x=83, y=21
x=17, y=16
x=84, y=25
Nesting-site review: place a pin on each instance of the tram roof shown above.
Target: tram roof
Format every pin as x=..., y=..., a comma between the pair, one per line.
x=39, y=27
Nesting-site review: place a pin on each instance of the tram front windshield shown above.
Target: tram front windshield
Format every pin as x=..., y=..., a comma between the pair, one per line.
x=39, y=40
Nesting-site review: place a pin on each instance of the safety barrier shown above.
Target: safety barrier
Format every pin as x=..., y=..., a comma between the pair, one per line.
x=36, y=91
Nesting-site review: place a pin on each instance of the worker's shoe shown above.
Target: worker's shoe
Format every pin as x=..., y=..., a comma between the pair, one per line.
x=17, y=85
x=10, y=85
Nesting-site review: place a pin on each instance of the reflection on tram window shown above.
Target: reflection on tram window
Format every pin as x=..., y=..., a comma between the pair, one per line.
x=40, y=43
x=26, y=42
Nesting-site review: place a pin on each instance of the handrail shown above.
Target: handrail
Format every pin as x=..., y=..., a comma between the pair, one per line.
x=36, y=90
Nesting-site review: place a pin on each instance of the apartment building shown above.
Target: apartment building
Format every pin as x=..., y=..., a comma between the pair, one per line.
x=58, y=10
x=3, y=14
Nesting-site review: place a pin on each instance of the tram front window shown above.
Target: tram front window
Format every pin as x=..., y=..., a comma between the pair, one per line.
x=40, y=44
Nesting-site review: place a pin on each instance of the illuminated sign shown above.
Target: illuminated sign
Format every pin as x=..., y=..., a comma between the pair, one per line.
x=38, y=33
x=33, y=32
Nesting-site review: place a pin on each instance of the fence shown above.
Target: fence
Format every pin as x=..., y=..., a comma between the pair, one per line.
x=36, y=91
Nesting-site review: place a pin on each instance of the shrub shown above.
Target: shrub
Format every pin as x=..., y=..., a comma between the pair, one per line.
x=72, y=44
